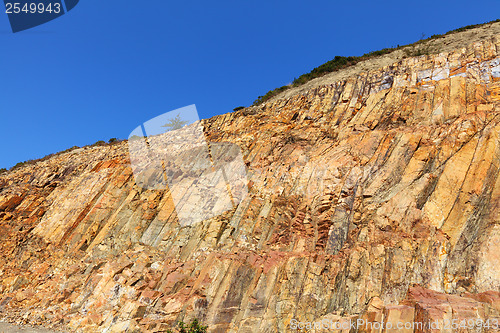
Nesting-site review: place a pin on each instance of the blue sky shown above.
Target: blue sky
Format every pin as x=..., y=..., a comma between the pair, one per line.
x=108, y=66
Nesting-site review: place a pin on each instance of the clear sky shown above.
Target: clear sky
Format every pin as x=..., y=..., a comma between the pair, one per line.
x=109, y=65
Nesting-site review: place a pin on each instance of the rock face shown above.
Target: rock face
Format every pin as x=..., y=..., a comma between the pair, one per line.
x=376, y=198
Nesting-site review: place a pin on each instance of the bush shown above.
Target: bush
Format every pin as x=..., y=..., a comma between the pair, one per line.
x=238, y=108
x=341, y=62
x=19, y=164
x=413, y=51
x=3, y=170
x=270, y=94
x=98, y=143
x=194, y=327
x=112, y=140
x=46, y=157
x=337, y=63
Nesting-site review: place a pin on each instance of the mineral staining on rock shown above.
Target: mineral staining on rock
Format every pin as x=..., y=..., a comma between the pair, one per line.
x=376, y=197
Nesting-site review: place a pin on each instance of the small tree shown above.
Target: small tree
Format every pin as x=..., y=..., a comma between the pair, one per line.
x=98, y=143
x=175, y=123
x=194, y=327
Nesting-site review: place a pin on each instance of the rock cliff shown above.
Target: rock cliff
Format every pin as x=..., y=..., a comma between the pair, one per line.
x=375, y=197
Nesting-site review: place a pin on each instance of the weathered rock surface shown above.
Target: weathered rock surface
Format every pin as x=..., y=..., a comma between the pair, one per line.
x=376, y=197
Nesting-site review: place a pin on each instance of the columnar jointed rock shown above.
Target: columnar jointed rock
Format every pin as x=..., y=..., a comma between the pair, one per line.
x=374, y=198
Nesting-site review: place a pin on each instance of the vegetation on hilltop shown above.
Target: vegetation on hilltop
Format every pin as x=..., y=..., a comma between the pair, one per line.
x=341, y=62
x=336, y=64
x=46, y=157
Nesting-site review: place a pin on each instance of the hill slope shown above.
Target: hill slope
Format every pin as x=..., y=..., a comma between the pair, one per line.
x=376, y=196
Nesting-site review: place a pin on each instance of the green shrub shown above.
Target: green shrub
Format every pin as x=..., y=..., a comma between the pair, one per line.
x=238, y=108
x=98, y=143
x=19, y=164
x=341, y=62
x=194, y=327
x=2, y=170
x=46, y=157
x=270, y=94
x=337, y=63
x=112, y=140
x=413, y=51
